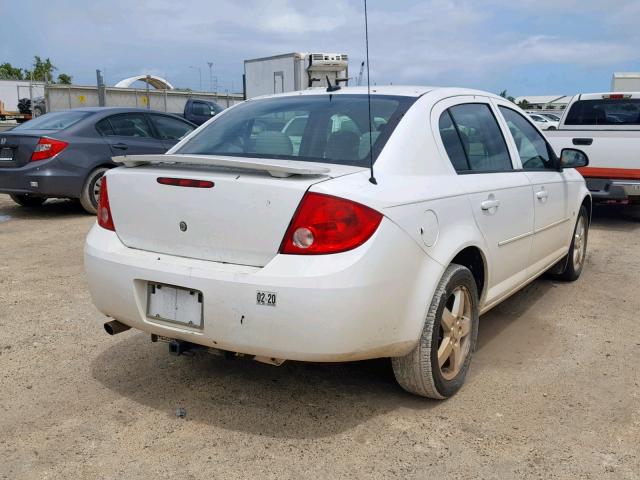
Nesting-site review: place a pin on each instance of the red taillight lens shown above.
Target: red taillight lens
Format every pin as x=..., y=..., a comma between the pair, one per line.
x=325, y=224
x=185, y=182
x=105, y=220
x=47, y=148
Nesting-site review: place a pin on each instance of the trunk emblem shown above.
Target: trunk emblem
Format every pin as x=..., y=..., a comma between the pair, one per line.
x=183, y=226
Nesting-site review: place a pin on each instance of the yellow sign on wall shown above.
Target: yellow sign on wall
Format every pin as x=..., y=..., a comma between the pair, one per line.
x=82, y=99
x=145, y=100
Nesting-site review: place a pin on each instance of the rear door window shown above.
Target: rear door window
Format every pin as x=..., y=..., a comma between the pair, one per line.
x=130, y=125
x=170, y=128
x=479, y=136
x=605, y=112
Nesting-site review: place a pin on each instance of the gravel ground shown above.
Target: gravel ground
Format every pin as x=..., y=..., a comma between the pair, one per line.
x=553, y=390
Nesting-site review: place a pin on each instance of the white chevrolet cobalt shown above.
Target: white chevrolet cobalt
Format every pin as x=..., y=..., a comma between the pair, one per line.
x=245, y=240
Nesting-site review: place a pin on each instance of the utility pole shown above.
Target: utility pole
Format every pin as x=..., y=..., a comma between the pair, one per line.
x=210, y=76
x=102, y=101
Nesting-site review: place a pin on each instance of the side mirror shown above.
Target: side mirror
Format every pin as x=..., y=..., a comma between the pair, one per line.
x=573, y=158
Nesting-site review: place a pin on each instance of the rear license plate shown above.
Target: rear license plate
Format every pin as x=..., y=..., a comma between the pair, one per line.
x=174, y=304
x=6, y=154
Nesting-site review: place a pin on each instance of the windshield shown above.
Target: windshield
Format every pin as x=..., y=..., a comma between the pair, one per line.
x=310, y=128
x=551, y=117
x=54, y=120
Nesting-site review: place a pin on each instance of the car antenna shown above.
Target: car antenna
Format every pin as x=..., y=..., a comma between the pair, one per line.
x=372, y=178
x=332, y=88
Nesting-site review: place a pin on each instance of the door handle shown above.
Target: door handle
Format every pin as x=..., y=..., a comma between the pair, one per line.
x=489, y=204
x=120, y=146
x=542, y=195
x=582, y=141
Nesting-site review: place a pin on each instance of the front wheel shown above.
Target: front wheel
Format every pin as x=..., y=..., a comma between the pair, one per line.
x=437, y=366
x=574, y=261
x=91, y=190
x=28, y=200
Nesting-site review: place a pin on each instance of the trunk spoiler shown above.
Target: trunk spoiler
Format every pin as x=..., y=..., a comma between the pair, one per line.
x=275, y=168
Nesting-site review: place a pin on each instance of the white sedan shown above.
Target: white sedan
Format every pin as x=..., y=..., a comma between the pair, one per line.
x=543, y=122
x=325, y=251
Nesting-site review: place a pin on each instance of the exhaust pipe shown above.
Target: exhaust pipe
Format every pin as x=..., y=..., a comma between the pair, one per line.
x=114, y=327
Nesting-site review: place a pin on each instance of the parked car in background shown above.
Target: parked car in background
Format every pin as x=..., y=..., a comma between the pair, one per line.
x=550, y=116
x=243, y=243
x=64, y=154
x=200, y=111
x=607, y=127
x=543, y=122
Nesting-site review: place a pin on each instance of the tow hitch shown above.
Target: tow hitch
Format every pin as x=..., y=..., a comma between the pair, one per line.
x=182, y=347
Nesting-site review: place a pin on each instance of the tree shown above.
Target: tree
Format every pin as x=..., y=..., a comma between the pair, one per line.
x=504, y=94
x=64, y=79
x=9, y=72
x=523, y=104
x=42, y=69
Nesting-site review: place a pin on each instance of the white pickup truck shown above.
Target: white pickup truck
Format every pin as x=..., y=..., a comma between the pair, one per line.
x=606, y=126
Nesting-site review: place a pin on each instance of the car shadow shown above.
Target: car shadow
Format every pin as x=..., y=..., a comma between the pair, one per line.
x=51, y=208
x=296, y=400
x=616, y=217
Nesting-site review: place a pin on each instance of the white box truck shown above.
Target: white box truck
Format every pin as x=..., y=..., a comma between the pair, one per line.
x=293, y=71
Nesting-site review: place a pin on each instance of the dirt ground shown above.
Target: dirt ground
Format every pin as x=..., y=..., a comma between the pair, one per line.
x=553, y=392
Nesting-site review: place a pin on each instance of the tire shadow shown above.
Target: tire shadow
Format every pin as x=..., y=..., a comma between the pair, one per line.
x=55, y=207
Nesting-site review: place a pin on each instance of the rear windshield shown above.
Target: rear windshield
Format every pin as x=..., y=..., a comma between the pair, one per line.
x=604, y=112
x=310, y=128
x=54, y=121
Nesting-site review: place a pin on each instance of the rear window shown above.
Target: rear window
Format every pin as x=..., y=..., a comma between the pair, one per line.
x=604, y=112
x=54, y=120
x=313, y=128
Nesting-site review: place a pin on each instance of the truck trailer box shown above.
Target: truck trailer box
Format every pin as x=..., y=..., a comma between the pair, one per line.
x=293, y=71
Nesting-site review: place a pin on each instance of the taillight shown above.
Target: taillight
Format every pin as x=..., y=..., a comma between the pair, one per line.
x=185, y=182
x=47, y=148
x=325, y=224
x=105, y=220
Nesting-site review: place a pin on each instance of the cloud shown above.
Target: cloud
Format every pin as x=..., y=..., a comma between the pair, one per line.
x=412, y=41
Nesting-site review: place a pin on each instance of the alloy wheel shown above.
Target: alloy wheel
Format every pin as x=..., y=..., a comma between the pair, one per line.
x=455, y=341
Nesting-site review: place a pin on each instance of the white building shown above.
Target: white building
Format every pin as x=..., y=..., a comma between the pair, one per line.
x=545, y=102
x=625, y=82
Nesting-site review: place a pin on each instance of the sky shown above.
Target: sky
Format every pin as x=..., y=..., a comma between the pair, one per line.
x=528, y=47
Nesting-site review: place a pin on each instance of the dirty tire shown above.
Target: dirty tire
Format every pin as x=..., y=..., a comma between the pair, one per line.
x=574, y=261
x=28, y=200
x=90, y=191
x=419, y=371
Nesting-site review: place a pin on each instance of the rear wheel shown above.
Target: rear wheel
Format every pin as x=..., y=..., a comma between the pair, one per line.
x=91, y=190
x=574, y=261
x=28, y=200
x=437, y=366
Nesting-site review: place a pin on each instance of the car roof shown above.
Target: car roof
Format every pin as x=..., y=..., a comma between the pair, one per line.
x=114, y=110
x=393, y=90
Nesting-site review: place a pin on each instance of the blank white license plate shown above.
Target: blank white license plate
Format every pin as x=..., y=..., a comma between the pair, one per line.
x=174, y=304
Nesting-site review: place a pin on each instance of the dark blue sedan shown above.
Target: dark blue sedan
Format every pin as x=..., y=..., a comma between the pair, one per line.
x=64, y=154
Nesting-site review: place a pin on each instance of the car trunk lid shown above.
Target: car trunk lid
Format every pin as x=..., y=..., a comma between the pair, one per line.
x=17, y=146
x=241, y=219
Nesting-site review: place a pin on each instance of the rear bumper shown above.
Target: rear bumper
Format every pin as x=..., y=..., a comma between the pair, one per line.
x=46, y=179
x=366, y=303
x=612, y=189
